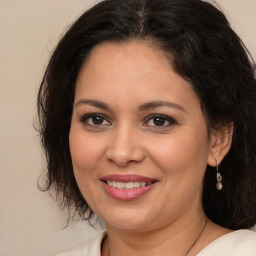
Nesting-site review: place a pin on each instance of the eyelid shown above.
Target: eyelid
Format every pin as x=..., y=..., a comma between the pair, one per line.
x=85, y=117
x=167, y=118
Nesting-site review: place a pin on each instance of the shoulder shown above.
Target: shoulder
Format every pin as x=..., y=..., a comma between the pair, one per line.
x=236, y=243
x=90, y=248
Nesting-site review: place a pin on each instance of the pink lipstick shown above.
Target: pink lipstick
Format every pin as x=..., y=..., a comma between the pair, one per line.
x=127, y=187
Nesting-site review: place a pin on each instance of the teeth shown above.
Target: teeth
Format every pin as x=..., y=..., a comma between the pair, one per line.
x=119, y=185
x=137, y=184
x=127, y=185
x=143, y=184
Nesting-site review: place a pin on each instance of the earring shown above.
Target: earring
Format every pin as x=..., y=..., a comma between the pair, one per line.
x=219, y=177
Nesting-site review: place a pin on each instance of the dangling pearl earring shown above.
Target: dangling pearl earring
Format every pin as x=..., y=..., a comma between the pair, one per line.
x=219, y=177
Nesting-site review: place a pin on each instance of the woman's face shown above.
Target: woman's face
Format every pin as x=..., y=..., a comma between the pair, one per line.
x=138, y=138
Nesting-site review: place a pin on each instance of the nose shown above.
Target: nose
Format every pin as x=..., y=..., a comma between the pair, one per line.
x=125, y=147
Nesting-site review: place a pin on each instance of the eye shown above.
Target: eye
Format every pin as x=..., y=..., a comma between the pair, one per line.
x=159, y=121
x=95, y=120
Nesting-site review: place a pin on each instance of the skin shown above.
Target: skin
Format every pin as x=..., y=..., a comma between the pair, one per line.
x=126, y=139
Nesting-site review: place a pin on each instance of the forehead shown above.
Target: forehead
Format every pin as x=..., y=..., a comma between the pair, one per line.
x=137, y=69
x=137, y=54
x=135, y=59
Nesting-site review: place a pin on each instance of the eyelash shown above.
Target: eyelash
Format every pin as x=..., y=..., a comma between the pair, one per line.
x=103, y=118
x=85, y=119
x=168, y=119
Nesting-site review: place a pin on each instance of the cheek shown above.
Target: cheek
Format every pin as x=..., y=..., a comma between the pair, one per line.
x=86, y=152
x=184, y=152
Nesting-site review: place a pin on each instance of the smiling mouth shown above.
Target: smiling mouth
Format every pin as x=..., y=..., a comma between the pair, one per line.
x=127, y=185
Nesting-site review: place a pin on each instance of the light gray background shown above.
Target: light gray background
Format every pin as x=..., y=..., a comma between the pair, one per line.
x=30, y=224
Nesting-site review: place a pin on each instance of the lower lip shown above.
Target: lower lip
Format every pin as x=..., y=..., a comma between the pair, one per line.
x=127, y=194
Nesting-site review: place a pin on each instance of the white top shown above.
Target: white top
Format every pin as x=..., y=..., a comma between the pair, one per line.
x=236, y=243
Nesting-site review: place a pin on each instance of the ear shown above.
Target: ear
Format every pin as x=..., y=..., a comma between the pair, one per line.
x=221, y=140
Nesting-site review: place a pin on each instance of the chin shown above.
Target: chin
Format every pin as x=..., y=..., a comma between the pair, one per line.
x=128, y=220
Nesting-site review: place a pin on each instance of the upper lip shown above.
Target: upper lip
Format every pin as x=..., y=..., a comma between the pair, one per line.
x=127, y=178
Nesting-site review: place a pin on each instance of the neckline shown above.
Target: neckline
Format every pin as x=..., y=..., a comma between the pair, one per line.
x=236, y=233
x=204, y=251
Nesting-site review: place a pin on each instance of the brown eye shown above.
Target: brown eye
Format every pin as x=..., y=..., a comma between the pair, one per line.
x=95, y=120
x=159, y=121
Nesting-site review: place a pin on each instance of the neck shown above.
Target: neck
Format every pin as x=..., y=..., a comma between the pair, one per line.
x=176, y=238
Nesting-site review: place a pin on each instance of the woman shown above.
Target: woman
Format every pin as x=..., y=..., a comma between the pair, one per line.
x=147, y=112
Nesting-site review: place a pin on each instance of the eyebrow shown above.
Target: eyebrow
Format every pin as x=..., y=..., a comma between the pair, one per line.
x=156, y=104
x=143, y=107
x=95, y=103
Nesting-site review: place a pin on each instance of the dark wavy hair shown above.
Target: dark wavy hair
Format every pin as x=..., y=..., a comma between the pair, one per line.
x=205, y=51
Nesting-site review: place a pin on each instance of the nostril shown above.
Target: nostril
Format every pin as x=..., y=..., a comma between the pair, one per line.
x=123, y=156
